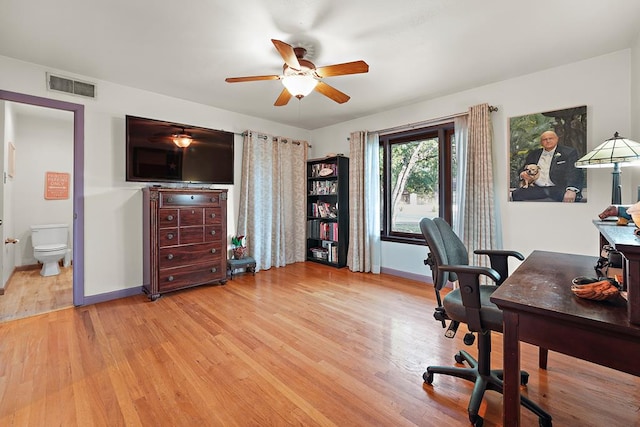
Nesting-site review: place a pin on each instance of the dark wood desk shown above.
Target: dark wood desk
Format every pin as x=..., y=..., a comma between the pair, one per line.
x=539, y=308
x=625, y=241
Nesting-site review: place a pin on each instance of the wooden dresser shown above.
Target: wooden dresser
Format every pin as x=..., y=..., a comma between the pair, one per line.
x=184, y=238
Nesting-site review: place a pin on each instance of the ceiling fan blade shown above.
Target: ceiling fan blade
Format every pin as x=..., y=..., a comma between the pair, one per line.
x=332, y=92
x=354, y=67
x=250, y=78
x=283, y=98
x=287, y=53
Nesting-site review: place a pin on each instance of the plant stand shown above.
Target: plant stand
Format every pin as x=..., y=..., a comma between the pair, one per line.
x=248, y=263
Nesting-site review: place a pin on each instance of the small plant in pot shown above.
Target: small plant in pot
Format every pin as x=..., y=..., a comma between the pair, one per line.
x=239, y=250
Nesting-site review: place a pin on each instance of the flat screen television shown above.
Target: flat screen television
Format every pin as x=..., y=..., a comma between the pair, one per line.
x=152, y=156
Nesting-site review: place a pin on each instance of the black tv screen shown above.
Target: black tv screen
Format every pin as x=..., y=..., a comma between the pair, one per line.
x=152, y=156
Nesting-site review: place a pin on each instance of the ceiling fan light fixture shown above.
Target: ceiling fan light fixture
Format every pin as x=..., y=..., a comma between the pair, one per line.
x=299, y=85
x=182, y=139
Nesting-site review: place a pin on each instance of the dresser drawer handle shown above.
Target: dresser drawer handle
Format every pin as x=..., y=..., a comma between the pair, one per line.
x=169, y=199
x=213, y=251
x=213, y=270
x=213, y=232
x=192, y=197
x=213, y=215
x=192, y=212
x=170, y=278
x=170, y=236
x=169, y=217
x=213, y=199
x=170, y=256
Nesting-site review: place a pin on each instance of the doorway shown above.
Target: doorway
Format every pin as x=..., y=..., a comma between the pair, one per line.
x=77, y=179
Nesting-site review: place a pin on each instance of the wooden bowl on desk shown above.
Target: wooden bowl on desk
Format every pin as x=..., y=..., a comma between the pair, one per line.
x=598, y=290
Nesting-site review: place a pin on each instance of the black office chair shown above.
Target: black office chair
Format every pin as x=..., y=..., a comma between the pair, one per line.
x=470, y=304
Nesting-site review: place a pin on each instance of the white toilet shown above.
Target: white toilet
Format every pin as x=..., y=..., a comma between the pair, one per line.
x=49, y=246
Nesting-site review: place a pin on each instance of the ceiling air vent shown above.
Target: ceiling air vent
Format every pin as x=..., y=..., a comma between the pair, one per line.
x=68, y=85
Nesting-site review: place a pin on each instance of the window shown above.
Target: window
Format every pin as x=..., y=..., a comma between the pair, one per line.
x=417, y=180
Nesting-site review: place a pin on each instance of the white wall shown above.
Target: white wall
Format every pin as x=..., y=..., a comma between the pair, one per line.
x=635, y=101
x=113, y=207
x=7, y=122
x=44, y=143
x=602, y=84
x=113, y=217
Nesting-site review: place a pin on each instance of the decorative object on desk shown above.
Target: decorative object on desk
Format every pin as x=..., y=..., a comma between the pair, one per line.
x=597, y=290
x=622, y=221
x=617, y=151
x=609, y=263
x=239, y=250
x=634, y=211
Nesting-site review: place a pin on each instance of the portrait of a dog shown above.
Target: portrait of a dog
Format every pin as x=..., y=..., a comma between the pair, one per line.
x=529, y=175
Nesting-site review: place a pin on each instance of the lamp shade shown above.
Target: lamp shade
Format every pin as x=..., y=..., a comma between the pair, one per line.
x=299, y=85
x=614, y=151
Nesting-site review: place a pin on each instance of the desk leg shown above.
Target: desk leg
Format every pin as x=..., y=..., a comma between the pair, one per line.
x=511, y=388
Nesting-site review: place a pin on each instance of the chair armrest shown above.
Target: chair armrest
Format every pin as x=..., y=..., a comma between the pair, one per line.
x=469, y=282
x=499, y=261
x=500, y=252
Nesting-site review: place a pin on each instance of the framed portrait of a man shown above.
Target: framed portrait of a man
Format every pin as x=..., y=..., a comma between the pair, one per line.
x=544, y=148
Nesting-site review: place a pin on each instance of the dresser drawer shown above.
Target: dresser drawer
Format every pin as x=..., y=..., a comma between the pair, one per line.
x=196, y=274
x=189, y=235
x=213, y=233
x=213, y=216
x=191, y=216
x=168, y=199
x=168, y=237
x=178, y=256
x=168, y=218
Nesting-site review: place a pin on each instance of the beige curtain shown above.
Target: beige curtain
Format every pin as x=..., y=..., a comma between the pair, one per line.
x=272, y=199
x=364, y=203
x=479, y=225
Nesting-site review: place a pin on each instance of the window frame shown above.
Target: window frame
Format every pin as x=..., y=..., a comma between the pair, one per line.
x=444, y=132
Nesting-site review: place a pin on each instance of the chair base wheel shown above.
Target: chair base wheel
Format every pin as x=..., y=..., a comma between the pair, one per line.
x=484, y=380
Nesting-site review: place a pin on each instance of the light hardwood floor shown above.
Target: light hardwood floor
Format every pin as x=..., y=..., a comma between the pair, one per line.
x=28, y=293
x=304, y=345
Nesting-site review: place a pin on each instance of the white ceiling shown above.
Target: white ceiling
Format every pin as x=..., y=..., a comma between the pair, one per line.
x=416, y=49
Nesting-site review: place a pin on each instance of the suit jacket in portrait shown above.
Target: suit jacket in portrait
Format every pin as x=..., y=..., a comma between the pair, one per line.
x=563, y=171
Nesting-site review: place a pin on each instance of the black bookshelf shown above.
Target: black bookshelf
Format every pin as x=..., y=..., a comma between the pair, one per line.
x=328, y=210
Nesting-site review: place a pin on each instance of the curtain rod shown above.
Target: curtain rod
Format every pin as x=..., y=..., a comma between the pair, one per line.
x=284, y=140
x=426, y=122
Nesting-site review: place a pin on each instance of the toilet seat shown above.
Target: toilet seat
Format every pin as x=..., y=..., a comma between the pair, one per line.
x=50, y=248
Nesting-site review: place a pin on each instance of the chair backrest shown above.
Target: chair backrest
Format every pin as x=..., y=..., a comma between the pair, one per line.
x=446, y=248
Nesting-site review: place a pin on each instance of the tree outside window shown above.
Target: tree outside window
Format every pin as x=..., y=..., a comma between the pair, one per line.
x=416, y=172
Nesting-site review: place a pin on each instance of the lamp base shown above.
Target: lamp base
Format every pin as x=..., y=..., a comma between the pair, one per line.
x=616, y=188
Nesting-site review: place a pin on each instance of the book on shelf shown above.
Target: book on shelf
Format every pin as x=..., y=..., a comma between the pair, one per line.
x=324, y=187
x=318, y=229
x=331, y=249
x=323, y=210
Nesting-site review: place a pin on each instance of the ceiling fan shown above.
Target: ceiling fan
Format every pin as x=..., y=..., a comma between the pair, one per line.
x=300, y=76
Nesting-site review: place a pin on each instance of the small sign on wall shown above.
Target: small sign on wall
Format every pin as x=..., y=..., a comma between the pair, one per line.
x=56, y=186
